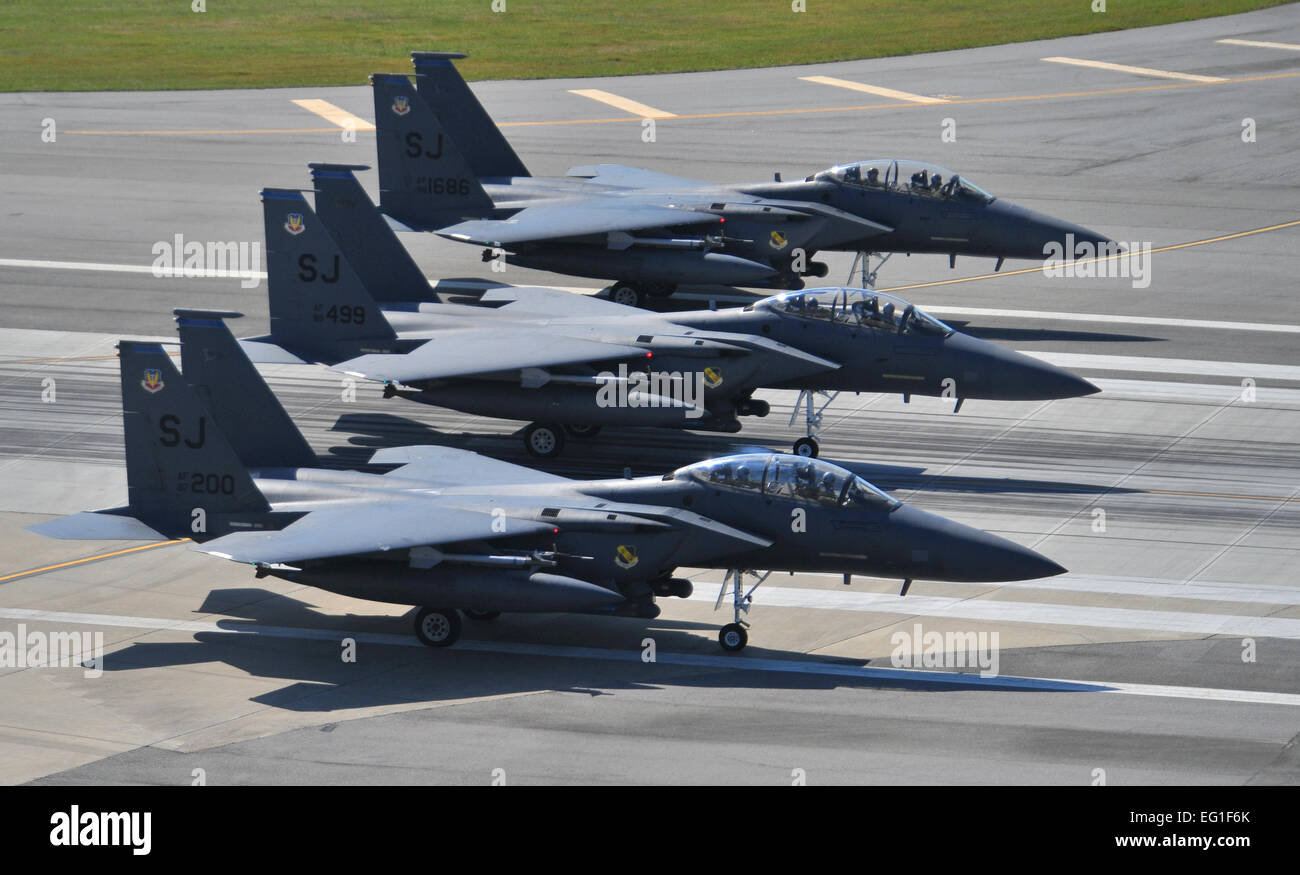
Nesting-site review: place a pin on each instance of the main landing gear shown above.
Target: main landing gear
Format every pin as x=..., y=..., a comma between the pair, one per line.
x=733, y=637
x=813, y=409
x=438, y=627
x=632, y=294
x=545, y=440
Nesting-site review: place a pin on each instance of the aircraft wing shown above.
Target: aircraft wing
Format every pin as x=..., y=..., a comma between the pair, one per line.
x=576, y=218
x=554, y=302
x=465, y=351
x=394, y=524
x=448, y=466
x=634, y=177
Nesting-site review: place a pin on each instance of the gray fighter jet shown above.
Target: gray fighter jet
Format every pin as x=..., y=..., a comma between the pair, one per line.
x=573, y=363
x=445, y=167
x=212, y=456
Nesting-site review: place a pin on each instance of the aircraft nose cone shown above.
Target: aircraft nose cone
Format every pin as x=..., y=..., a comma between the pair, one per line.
x=961, y=553
x=1031, y=233
x=986, y=370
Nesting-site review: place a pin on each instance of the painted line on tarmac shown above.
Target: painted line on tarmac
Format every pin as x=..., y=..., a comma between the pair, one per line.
x=803, y=110
x=159, y=273
x=1259, y=44
x=1069, y=266
x=996, y=611
x=1109, y=318
x=32, y=572
x=1150, y=365
x=872, y=89
x=640, y=110
x=1137, y=71
x=1008, y=683
x=1205, y=393
x=335, y=114
x=1144, y=587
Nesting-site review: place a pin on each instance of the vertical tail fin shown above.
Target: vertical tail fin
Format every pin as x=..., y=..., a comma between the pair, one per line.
x=368, y=243
x=234, y=393
x=443, y=88
x=424, y=180
x=183, y=477
x=319, y=306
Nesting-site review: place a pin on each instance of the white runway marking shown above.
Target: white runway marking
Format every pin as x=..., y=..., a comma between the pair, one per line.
x=733, y=663
x=873, y=89
x=1207, y=393
x=640, y=110
x=1139, y=71
x=998, y=611
x=1213, y=324
x=937, y=309
x=1148, y=365
x=1260, y=44
x=335, y=115
x=186, y=273
x=1147, y=587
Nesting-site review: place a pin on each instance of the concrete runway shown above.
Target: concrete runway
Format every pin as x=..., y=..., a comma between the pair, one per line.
x=1169, y=654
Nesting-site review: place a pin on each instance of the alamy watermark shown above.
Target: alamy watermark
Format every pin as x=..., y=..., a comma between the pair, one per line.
x=1108, y=259
x=921, y=649
x=30, y=648
x=656, y=389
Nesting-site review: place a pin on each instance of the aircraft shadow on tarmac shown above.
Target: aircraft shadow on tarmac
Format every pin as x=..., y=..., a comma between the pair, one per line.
x=669, y=450
x=396, y=674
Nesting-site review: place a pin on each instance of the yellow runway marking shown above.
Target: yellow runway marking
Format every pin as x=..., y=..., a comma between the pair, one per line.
x=872, y=89
x=640, y=110
x=29, y=572
x=1139, y=71
x=1259, y=44
x=337, y=115
x=752, y=113
x=1283, y=498
x=1024, y=270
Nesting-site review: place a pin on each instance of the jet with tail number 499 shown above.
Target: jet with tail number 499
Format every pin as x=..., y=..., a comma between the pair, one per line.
x=571, y=363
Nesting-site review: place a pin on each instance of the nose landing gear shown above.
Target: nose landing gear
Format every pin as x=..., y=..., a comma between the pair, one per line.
x=734, y=636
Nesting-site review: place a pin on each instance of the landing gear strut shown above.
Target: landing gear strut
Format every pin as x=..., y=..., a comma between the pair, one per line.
x=862, y=267
x=813, y=409
x=733, y=637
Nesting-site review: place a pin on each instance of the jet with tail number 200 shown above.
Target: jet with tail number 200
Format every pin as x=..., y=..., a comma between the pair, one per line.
x=211, y=455
x=445, y=167
x=572, y=363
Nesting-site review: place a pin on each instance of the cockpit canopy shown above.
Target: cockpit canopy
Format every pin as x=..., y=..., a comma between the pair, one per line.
x=796, y=477
x=857, y=307
x=912, y=177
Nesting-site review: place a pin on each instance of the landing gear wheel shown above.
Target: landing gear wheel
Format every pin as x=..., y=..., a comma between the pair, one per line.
x=582, y=432
x=681, y=588
x=437, y=627
x=481, y=616
x=807, y=447
x=627, y=294
x=544, y=440
x=733, y=637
